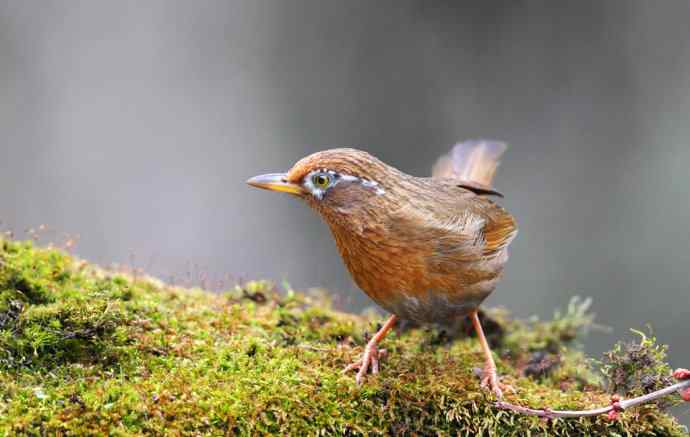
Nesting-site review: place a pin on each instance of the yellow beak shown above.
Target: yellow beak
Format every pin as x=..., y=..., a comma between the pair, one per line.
x=275, y=182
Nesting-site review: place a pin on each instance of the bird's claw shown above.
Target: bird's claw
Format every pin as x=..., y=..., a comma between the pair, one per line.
x=370, y=358
x=491, y=382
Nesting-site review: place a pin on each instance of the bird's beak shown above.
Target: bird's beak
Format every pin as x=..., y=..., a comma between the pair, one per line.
x=275, y=182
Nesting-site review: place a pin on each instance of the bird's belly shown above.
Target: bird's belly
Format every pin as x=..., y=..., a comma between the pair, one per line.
x=436, y=306
x=432, y=298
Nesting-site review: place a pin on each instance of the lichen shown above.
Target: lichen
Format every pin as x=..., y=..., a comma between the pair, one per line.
x=84, y=351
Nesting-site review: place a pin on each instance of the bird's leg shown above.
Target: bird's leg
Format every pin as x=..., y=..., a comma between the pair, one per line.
x=489, y=376
x=371, y=352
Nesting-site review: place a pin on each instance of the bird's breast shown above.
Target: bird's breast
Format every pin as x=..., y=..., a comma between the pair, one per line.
x=406, y=276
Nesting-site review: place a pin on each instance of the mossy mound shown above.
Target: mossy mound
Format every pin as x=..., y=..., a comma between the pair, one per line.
x=88, y=352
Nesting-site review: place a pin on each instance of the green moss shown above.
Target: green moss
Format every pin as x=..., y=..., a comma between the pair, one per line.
x=53, y=309
x=86, y=352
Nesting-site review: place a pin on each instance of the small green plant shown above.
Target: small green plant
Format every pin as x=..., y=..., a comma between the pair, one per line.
x=634, y=368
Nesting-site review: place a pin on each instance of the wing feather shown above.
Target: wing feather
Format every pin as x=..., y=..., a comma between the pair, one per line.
x=473, y=233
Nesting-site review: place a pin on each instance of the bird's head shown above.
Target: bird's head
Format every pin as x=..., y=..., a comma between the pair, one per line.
x=335, y=182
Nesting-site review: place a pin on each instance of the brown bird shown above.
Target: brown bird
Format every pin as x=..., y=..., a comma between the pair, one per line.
x=428, y=250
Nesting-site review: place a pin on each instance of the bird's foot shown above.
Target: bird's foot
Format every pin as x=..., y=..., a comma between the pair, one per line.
x=491, y=382
x=370, y=359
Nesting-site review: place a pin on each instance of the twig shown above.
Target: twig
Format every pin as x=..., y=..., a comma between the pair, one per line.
x=617, y=405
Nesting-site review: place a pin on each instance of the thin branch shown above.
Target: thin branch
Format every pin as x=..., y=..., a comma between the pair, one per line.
x=616, y=405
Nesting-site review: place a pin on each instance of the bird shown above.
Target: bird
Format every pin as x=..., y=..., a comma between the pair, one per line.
x=426, y=249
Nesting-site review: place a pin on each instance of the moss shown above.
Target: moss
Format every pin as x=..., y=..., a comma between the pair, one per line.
x=54, y=309
x=86, y=352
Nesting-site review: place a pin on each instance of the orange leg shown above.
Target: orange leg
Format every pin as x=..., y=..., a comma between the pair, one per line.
x=371, y=352
x=489, y=376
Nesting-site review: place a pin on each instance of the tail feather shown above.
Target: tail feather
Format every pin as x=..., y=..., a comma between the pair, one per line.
x=472, y=161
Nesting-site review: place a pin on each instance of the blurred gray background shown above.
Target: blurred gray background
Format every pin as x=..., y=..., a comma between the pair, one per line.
x=135, y=124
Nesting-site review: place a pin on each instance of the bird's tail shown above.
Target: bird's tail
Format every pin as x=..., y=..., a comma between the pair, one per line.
x=471, y=161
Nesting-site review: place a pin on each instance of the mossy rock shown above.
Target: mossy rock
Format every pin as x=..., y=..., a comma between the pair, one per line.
x=84, y=351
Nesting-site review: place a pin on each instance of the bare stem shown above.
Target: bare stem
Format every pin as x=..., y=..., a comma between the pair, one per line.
x=617, y=406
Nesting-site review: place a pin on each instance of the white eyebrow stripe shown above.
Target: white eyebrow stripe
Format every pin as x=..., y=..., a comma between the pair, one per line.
x=373, y=184
x=349, y=178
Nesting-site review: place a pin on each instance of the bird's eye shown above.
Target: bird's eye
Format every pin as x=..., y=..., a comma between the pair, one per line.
x=321, y=180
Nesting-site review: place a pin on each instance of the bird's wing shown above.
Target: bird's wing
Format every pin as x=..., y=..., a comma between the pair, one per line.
x=473, y=164
x=499, y=230
x=487, y=227
x=477, y=230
